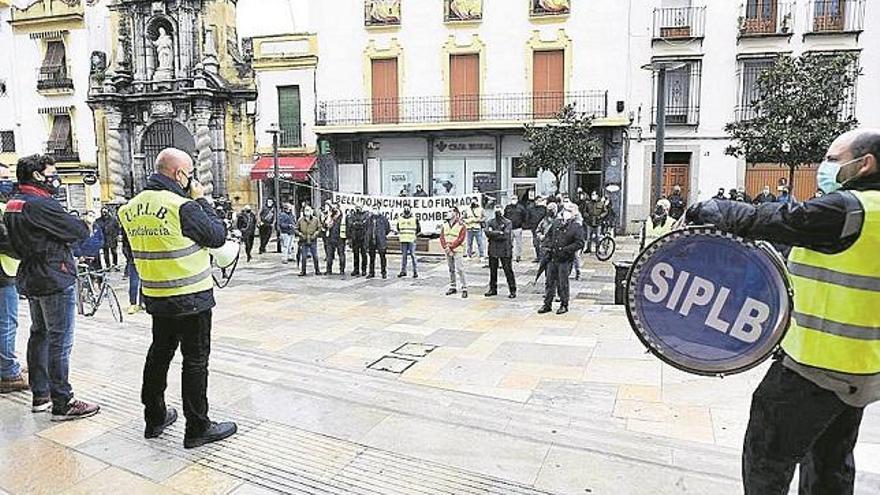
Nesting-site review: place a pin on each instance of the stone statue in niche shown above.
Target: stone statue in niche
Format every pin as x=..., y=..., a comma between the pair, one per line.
x=165, y=55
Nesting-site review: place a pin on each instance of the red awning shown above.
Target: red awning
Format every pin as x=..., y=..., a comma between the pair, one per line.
x=289, y=167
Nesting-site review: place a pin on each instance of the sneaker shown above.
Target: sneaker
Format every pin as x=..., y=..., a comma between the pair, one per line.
x=41, y=404
x=415, y=275
x=75, y=409
x=562, y=310
x=155, y=431
x=464, y=293
x=544, y=310
x=491, y=293
x=451, y=292
x=214, y=433
x=17, y=384
x=512, y=295
x=134, y=308
x=401, y=274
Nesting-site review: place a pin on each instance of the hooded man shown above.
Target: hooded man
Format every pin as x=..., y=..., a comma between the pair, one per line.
x=452, y=235
x=408, y=229
x=308, y=230
x=109, y=227
x=563, y=242
x=499, y=231
x=378, y=229
x=518, y=216
x=356, y=232
x=41, y=233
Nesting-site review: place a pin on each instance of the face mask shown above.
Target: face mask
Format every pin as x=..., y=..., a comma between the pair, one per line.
x=498, y=213
x=826, y=177
x=6, y=186
x=308, y=213
x=474, y=205
x=407, y=212
x=52, y=183
x=567, y=216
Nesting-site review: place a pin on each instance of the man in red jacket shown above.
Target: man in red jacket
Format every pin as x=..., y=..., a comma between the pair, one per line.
x=452, y=236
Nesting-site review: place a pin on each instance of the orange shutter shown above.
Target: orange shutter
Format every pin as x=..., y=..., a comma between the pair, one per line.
x=386, y=99
x=464, y=87
x=548, y=83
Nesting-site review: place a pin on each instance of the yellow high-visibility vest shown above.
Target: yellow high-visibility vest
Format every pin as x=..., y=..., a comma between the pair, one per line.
x=473, y=218
x=451, y=232
x=7, y=263
x=406, y=228
x=168, y=263
x=836, y=325
x=654, y=231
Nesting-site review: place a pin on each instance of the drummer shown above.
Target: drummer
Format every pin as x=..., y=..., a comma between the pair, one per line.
x=809, y=406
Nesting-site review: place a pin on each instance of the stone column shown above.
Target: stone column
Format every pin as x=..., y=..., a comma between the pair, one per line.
x=204, y=162
x=117, y=165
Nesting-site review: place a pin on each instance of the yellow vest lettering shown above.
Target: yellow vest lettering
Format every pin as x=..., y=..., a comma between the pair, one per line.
x=169, y=263
x=406, y=227
x=835, y=326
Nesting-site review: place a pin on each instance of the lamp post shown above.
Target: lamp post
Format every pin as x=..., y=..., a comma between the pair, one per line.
x=661, y=68
x=274, y=131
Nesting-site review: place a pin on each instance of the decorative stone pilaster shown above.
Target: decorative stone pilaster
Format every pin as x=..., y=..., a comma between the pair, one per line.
x=204, y=163
x=116, y=162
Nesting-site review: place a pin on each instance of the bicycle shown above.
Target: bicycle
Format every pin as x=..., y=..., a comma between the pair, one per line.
x=89, y=297
x=606, y=246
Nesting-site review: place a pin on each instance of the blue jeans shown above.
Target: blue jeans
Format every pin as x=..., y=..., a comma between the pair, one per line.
x=52, y=322
x=408, y=250
x=478, y=235
x=134, y=284
x=307, y=248
x=9, y=366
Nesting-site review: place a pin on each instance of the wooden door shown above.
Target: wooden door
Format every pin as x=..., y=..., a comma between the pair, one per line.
x=386, y=99
x=829, y=15
x=676, y=175
x=464, y=87
x=766, y=174
x=760, y=17
x=548, y=83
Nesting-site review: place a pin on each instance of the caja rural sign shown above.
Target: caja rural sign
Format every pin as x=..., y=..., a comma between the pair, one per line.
x=709, y=303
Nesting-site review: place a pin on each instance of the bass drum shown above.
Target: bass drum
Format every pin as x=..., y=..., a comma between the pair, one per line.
x=709, y=303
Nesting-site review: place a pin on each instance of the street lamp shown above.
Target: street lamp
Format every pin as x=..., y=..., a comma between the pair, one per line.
x=274, y=131
x=661, y=67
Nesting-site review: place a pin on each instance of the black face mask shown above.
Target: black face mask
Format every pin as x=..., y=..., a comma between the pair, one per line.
x=52, y=183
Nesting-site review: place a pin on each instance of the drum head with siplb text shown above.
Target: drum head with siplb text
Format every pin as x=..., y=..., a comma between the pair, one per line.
x=709, y=303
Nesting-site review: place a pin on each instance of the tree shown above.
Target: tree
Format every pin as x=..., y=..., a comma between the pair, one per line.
x=800, y=108
x=567, y=144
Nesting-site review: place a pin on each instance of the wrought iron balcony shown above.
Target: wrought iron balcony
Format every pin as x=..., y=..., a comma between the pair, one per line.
x=63, y=151
x=54, y=78
x=835, y=16
x=290, y=138
x=520, y=107
x=767, y=18
x=679, y=23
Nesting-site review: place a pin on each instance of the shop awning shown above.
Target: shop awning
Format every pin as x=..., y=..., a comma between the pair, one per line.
x=289, y=167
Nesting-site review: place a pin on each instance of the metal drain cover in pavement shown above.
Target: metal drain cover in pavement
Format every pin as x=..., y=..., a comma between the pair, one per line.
x=414, y=350
x=392, y=364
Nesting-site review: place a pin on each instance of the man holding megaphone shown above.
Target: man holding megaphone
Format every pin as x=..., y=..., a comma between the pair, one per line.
x=171, y=226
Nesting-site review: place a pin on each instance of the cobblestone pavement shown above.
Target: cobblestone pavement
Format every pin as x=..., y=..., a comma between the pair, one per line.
x=477, y=396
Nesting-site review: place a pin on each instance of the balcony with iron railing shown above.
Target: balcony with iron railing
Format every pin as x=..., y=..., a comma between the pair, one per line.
x=54, y=78
x=63, y=150
x=679, y=23
x=762, y=18
x=835, y=16
x=749, y=111
x=290, y=137
x=477, y=109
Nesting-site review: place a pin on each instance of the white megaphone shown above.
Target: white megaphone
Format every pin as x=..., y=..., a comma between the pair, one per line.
x=225, y=256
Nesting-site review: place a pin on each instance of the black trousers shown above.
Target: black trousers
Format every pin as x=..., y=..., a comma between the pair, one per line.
x=193, y=334
x=335, y=251
x=359, y=252
x=557, y=281
x=794, y=421
x=383, y=261
x=248, y=245
x=265, y=234
x=508, y=274
x=110, y=254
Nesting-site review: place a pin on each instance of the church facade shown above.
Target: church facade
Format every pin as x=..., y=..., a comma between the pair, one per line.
x=175, y=76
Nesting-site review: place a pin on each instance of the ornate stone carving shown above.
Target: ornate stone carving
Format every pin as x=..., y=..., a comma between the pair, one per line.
x=116, y=165
x=161, y=109
x=383, y=12
x=465, y=10
x=205, y=163
x=165, y=56
x=550, y=7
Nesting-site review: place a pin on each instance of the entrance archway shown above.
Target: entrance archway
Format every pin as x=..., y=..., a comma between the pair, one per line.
x=165, y=134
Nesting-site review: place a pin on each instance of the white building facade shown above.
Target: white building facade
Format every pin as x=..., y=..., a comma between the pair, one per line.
x=404, y=93
x=47, y=47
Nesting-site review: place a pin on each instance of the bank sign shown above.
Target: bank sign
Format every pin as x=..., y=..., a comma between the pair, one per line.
x=708, y=303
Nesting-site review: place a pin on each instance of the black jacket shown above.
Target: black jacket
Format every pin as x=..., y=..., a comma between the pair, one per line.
x=536, y=213
x=6, y=279
x=499, y=232
x=356, y=226
x=42, y=233
x=110, y=228
x=677, y=206
x=199, y=222
x=246, y=223
x=517, y=214
x=378, y=228
x=334, y=232
x=564, y=241
x=817, y=224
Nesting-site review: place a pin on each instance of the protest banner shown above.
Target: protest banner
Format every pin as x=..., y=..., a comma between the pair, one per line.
x=429, y=211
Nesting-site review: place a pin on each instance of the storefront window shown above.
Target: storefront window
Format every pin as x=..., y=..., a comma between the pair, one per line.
x=401, y=176
x=521, y=170
x=449, y=178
